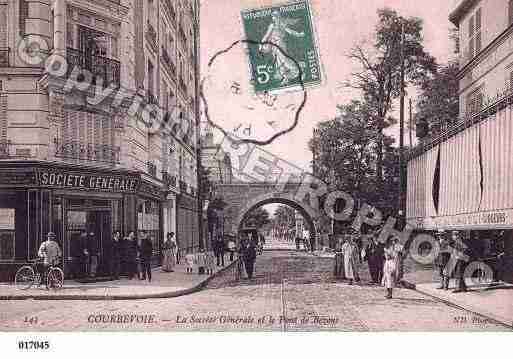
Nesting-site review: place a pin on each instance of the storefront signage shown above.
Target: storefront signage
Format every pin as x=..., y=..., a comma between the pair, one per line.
x=68, y=180
x=480, y=220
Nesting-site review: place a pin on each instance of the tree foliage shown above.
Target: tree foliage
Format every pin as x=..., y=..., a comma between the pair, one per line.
x=257, y=218
x=438, y=101
x=379, y=69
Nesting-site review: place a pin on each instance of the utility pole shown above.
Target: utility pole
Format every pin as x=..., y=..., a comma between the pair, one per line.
x=401, y=132
x=410, y=126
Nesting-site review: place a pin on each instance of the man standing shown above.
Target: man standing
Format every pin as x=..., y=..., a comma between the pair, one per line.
x=116, y=254
x=460, y=254
x=249, y=256
x=374, y=254
x=131, y=255
x=219, y=250
x=51, y=254
x=92, y=249
x=442, y=259
x=145, y=253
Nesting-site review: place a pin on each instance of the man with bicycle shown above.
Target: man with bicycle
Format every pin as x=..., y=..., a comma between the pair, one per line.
x=51, y=254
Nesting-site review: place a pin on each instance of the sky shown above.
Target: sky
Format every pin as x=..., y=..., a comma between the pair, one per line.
x=339, y=24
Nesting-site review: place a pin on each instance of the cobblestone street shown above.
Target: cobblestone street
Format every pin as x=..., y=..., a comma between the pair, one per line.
x=291, y=291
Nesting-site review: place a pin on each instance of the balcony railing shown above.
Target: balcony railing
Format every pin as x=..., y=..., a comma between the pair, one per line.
x=183, y=87
x=490, y=107
x=170, y=181
x=169, y=6
x=100, y=67
x=183, y=187
x=152, y=168
x=168, y=63
x=4, y=57
x=151, y=98
x=151, y=36
x=5, y=146
x=86, y=151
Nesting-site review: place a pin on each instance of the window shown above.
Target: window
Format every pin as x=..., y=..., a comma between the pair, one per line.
x=510, y=12
x=474, y=102
x=475, y=34
x=7, y=233
x=150, y=77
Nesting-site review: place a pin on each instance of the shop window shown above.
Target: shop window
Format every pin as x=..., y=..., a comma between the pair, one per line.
x=7, y=233
x=148, y=220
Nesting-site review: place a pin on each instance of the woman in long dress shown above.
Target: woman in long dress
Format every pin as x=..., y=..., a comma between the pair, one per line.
x=389, y=268
x=350, y=253
x=169, y=249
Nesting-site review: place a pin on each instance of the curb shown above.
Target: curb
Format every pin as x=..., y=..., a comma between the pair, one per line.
x=173, y=294
x=491, y=317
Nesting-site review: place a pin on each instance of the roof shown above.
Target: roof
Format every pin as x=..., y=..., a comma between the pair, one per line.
x=461, y=9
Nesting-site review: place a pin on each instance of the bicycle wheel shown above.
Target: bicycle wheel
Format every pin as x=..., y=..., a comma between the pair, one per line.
x=24, y=278
x=55, y=278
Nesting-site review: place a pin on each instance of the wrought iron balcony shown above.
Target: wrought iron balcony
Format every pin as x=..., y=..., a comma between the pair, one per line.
x=169, y=6
x=152, y=168
x=169, y=180
x=168, y=63
x=151, y=98
x=183, y=87
x=99, y=66
x=5, y=146
x=86, y=151
x=4, y=56
x=151, y=36
x=183, y=187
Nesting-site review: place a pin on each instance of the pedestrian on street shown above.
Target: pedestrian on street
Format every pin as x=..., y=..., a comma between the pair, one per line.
x=339, y=258
x=249, y=256
x=460, y=253
x=374, y=255
x=442, y=259
x=78, y=253
x=219, y=250
x=389, y=268
x=116, y=255
x=399, y=259
x=169, y=251
x=131, y=255
x=92, y=249
x=232, y=247
x=145, y=254
x=351, y=254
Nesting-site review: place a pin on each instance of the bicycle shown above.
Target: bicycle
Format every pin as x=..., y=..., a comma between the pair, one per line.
x=28, y=275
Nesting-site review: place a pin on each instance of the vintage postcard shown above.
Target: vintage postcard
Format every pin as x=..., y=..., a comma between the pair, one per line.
x=255, y=166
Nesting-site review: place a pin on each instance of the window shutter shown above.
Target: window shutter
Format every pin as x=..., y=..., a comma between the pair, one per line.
x=478, y=37
x=471, y=36
x=510, y=12
x=3, y=25
x=23, y=16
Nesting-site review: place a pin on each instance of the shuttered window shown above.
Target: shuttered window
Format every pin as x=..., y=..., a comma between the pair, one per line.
x=475, y=42
x=510, y=12
x=474, y=102
x=4, y=53
x=23, y=15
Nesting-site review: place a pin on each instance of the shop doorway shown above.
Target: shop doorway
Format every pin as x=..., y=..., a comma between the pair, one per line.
x=97, y=223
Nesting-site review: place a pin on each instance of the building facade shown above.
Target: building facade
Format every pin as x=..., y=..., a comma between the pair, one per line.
x=82, y=148
x=462, y=179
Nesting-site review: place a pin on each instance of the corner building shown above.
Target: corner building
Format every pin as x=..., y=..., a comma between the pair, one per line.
x=69, y=164
x=462, y=178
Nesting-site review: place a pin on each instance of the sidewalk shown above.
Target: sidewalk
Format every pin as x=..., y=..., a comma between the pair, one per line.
x=163, y=285
x=494, y=302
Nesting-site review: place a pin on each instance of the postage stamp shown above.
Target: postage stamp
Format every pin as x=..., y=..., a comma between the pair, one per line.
x=283, y=47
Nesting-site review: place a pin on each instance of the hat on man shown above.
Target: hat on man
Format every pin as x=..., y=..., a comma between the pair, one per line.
x=50, y=235
x=440, y=231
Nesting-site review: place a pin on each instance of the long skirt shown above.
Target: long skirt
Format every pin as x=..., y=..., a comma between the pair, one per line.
x=389, y=271
x=169, y=260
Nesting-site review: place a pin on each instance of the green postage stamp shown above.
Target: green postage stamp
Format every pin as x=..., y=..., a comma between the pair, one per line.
x=282, y=45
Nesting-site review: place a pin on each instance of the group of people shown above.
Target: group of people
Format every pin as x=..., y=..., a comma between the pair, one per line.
x=385, y=261
x=134, y=252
